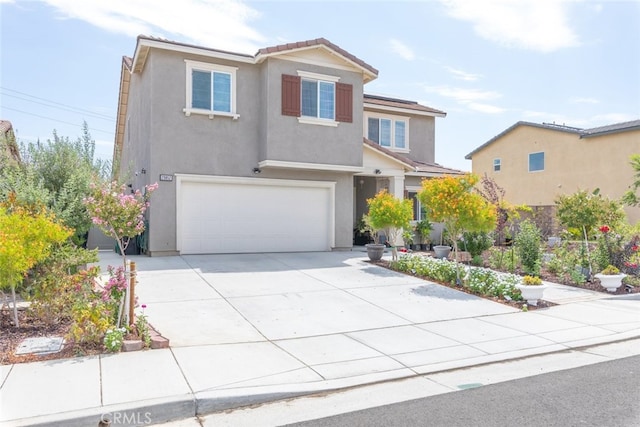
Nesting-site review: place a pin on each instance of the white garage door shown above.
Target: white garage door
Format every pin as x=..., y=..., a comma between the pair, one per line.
x=235, y=215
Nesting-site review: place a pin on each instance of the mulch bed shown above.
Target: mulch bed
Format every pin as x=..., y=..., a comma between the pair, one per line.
x=515, y=304
x=11, y=337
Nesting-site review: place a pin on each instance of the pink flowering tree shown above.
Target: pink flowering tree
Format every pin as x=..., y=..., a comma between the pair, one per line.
x=120, y=215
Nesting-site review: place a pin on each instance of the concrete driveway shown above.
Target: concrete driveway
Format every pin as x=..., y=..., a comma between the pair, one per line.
x=225, y=299
x=247, y=329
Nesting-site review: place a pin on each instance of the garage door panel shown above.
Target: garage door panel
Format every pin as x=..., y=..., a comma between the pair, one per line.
x=222, y=217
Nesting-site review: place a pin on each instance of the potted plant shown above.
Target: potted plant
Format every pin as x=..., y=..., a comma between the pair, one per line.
x=441, y=250
x=407, y=237
x=362, y=233
x=610, y=278
x=423, y=230
x=531, y=289
x=389, y=215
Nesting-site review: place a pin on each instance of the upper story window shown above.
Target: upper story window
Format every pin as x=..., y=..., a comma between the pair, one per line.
x=317, y=98
x=497, y=164
x=211, y=89
x=390, y=132
x=536, y=162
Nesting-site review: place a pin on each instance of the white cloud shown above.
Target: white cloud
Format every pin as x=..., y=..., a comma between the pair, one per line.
x=221, y=24
x=463, y=75
x=581, y=100
x=473, y=99
x=463, y=95
x=611, y=118
x=402, y=49
x=539, y=25
x=485, y=108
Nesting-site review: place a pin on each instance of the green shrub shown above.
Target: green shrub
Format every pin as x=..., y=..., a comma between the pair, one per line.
x=503, y=259
x=475, y=242
x=527, y=242
x=52, y=285
x=479, y=280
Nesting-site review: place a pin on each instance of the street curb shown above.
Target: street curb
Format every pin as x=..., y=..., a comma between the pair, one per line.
x=152, y=411
x=177, y=407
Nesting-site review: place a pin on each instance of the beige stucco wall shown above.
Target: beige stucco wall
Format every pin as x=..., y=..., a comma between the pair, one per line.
x=571, y=164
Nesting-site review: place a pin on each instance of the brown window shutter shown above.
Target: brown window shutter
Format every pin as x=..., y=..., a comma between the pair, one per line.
x=344, y=102
x=290, y=95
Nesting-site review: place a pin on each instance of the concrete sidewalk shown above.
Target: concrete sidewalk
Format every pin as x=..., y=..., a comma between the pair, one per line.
x=252, y=328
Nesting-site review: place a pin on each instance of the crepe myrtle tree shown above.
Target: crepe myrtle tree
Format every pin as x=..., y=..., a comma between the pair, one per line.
x=120, y=215
x=454, y=201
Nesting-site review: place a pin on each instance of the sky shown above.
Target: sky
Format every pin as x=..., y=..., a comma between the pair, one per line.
x=487, y=63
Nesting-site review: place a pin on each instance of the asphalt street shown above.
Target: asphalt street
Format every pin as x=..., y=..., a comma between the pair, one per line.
x=600, y=395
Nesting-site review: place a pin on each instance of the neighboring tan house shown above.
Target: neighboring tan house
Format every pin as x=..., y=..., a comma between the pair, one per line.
x=273, y=152
x=535, y=163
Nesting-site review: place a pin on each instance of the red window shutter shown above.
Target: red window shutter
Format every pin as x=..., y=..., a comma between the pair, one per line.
x=344, y=102
x=290, y=95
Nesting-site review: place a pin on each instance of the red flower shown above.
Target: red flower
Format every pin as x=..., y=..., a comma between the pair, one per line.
x=605, y=229
x=634, y=248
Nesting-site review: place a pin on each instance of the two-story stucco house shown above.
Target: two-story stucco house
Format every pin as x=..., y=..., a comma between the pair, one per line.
x=535, y=163
x=270, y=152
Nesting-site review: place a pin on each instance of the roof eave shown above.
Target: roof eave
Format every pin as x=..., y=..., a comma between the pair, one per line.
x=404, y=110
x=368, y=75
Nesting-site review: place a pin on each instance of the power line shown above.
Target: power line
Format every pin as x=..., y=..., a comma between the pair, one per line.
x=58, y=121
x=56, y=103
x=95, y=115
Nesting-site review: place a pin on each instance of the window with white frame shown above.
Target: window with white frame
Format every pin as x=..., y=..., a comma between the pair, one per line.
x=211, y=89
x=497, y=165
x=419, y=213
x=536, y=162
x=389, y=132
x=318, y=99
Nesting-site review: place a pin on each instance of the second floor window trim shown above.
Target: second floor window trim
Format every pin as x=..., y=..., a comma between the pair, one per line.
x=318, y=98
x=388, y=131
x=497, y=164
x=210, y=89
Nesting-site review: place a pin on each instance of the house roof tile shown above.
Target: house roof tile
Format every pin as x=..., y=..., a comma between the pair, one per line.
x=399, y=103
x=420, y=167
x=316, y=42
x=582, y=133
x=616, y=127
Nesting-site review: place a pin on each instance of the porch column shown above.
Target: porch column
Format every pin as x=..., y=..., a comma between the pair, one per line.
x=396, y=186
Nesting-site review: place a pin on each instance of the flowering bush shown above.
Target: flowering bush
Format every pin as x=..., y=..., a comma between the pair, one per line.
x=479, y=280
x=27, y=235
x=117, y=213
x=390, y=214
x=113, y=339
x=619, y=249
x=142, y=327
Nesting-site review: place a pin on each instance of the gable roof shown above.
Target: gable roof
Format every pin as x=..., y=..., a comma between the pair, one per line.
x=145, y=43
x=582, y=133
x=400, y=105
x=314, y=44
x=416, y=167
